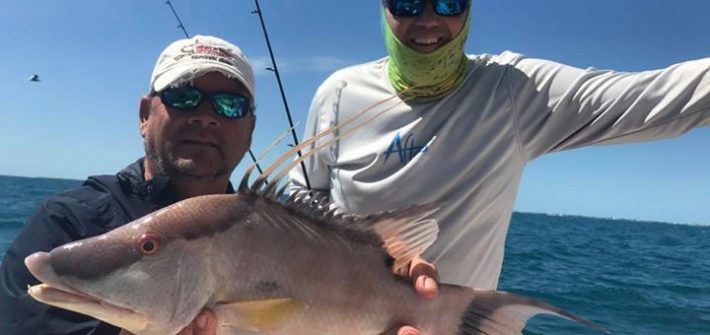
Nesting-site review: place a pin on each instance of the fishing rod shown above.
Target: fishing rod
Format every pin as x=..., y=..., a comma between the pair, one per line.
x=275, y=70
x=182, y=26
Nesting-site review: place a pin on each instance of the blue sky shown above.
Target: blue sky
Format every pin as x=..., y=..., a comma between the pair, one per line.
x=95, y=59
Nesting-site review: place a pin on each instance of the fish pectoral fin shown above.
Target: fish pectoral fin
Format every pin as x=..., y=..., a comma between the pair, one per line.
x=257, y=315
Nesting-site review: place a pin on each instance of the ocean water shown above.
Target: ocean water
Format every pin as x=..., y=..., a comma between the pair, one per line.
x=630, y=277
x=18, y=199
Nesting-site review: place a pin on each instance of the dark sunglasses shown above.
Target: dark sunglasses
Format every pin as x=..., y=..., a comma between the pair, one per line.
x=412, y=8
x=229, y=105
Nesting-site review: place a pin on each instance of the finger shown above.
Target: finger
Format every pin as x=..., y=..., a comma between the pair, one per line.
x=403, y=271
x=425, y=278
x=206, y=323
x=407, y=330
x=403, y=330
x=187, y=330
x=419, y=266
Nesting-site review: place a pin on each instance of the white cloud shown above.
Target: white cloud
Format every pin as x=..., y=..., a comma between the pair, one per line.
x=328, y=63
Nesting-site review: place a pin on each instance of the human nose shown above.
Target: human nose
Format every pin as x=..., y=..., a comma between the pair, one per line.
x=204, y=115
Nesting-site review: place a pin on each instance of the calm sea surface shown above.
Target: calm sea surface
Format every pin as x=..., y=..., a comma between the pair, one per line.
x=630, y=277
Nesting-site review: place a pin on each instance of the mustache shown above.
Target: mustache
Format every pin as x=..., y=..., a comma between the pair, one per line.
x=200, y=134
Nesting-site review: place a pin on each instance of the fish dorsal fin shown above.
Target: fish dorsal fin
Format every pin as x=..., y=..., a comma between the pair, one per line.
x=296, y=149
x=403, y=233
x=257, y=315
x=352, y=128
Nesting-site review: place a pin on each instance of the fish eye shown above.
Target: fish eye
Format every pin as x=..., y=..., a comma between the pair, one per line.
x=148, y=244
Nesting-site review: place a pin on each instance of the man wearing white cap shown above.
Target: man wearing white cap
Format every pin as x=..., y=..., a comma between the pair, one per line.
x=196, y=121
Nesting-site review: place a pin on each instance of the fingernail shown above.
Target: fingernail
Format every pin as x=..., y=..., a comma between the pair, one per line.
x=421, y=280
x=201, y=321
x=429, y=283
x=407, y=331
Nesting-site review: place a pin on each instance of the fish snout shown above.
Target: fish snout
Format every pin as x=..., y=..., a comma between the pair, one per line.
x=39, y=266
x=92, y=259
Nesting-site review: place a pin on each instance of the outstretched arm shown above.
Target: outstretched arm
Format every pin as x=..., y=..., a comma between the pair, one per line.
x=561, y=107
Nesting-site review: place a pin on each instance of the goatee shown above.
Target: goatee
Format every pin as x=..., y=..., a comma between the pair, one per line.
x=167, y=164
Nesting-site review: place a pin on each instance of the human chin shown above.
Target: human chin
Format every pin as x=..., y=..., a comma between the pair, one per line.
x=177, y=161
x=197, y=167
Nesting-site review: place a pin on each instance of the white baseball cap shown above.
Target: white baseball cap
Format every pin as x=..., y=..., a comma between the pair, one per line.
x=186, y=59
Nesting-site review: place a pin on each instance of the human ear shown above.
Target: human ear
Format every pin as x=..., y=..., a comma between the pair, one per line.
x=144, y=114
x=252, y=124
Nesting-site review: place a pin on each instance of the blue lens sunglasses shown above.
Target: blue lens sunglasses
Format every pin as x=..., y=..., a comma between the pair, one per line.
x=412, y=8
x=228, y=105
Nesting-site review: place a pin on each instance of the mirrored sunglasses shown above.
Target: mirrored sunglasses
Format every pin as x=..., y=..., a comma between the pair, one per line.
x=228, y=105
x=412, y=8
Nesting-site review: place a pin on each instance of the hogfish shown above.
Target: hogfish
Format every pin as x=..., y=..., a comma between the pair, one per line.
x=269, y=266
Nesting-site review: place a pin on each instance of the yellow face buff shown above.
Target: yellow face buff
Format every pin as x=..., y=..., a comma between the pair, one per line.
x=425, y=75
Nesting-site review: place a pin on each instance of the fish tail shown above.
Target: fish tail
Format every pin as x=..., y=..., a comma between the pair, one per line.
x=501, y=313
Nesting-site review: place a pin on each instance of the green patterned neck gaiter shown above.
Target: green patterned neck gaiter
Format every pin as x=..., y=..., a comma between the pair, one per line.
x=425, y=75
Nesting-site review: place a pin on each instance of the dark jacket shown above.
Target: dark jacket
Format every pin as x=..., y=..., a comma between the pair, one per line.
x=102, y=203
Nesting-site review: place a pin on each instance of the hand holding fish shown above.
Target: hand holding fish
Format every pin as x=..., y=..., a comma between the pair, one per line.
x=425, y=279
x=335, y=284
x=205, y=324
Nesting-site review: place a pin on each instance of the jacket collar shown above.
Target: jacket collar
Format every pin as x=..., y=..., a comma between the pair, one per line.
x=132, y=180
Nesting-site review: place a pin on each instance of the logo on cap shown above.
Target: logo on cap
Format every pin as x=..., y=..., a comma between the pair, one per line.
x=207, y=52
